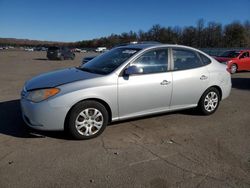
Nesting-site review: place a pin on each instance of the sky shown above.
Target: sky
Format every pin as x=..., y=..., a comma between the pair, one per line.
x=76, y=20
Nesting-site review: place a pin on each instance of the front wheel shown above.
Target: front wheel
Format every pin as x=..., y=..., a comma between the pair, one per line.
x=209, y=101
x=87, y=119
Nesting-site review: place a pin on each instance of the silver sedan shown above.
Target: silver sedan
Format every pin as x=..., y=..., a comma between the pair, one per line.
x=125, y=82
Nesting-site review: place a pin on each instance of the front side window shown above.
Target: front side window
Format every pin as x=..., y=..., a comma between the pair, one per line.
x=53, y=48
x=154, y=61
x=185, y=59
x=245, y=55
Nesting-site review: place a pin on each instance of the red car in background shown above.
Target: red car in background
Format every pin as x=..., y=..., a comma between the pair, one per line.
x=235, y=60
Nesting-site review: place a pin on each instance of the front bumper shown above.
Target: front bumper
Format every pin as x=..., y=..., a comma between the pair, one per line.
x=42, y=115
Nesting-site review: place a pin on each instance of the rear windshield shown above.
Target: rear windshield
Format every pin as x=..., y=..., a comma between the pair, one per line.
x=53, y=48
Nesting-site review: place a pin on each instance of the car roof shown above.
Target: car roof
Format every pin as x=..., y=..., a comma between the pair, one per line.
x=149, y=45
x=138, y=46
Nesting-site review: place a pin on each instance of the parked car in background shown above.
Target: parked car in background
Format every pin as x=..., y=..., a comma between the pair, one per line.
x=126, y=82
x=101, y=49
x=60, y=53
x=235, y=60
x=29, y=49
x=79, y=50
x=40, y=48
x=83, y=51
x=87, y=59
x=44, y=49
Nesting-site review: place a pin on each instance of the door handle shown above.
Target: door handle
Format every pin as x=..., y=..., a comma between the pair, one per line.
x=165, y=82
x=203, y=77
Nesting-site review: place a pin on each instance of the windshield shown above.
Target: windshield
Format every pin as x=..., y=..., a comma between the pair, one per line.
x=230, y=54
x=109, y=61
x=53, y=48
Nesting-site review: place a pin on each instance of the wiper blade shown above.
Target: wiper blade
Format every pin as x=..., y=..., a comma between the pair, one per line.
x=85, y=69
x=90, y=70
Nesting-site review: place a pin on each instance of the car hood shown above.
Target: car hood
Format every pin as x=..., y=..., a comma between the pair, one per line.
x=59, y=77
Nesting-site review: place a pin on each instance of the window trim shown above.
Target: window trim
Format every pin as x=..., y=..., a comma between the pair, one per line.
x=199, y=54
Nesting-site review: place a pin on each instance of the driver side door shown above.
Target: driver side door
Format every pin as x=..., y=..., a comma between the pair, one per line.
x=147, y=92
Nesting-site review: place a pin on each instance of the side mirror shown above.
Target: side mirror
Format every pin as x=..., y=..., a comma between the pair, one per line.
x=133, y=70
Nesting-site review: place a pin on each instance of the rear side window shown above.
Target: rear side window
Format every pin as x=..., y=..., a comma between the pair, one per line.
x=186, y=59
x=205, y=60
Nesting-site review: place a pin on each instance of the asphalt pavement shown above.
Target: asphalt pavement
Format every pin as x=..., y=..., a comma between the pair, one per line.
x=179, y=149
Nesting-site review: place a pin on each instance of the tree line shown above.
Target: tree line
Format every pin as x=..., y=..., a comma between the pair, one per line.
x=202, y=35
x=210, y=35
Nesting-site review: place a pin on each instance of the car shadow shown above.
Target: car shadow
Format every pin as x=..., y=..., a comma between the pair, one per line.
x=241, y=83
x=12, y=124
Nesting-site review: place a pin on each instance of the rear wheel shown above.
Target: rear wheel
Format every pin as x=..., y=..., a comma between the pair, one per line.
x=234, y=68
x=209, y=101
x=87, y=119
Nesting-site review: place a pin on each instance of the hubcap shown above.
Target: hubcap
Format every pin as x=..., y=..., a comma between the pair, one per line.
x=211, y=101
x=89, y=121
x=233, y=69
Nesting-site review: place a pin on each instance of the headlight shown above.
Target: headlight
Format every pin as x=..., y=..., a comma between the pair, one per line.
x=42, y=94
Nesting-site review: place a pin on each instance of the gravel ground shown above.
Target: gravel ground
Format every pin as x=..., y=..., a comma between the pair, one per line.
x=180, y=149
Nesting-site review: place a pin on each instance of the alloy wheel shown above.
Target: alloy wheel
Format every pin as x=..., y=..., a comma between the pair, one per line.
x=211, y=101
x=89, y=122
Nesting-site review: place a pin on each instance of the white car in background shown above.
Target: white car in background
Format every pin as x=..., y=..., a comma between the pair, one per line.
x=101, y=49
x=29, y=49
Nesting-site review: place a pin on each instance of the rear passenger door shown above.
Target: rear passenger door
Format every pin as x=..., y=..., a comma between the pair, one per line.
x=190, y=77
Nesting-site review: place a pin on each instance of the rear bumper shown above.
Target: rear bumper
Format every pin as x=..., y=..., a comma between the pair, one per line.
x=43, y=116
x=226, y=90
x=226, y=86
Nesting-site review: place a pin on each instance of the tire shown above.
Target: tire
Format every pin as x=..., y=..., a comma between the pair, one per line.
x=61, y=58
x=234, y=68
x=87, y=120
x=72, y=57
x=209, y=101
